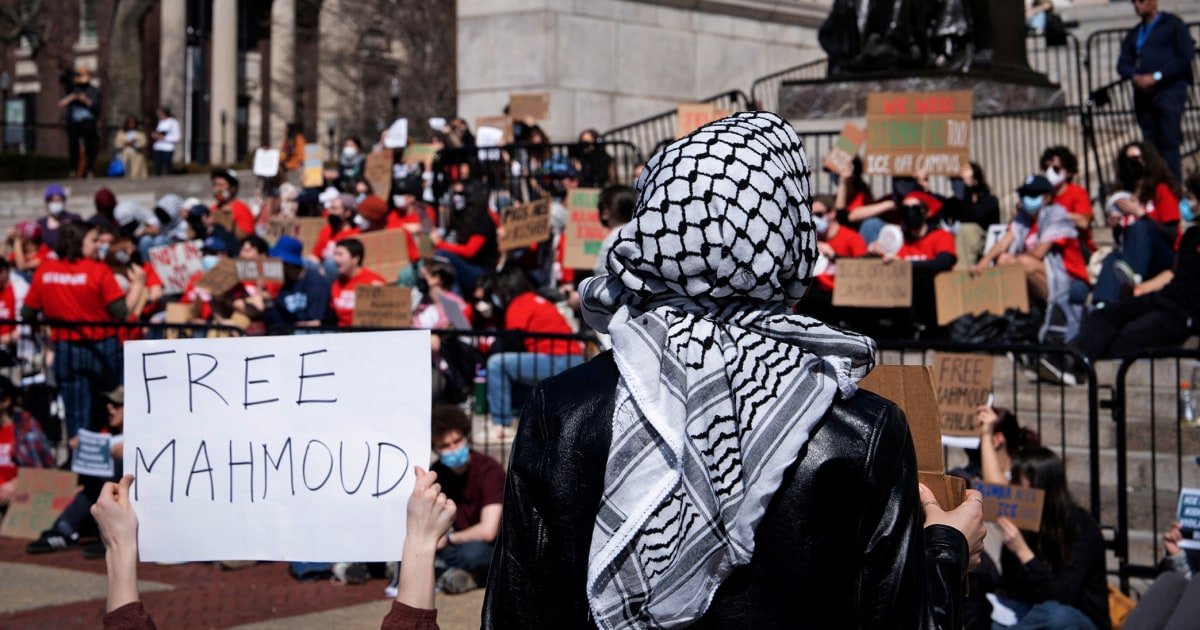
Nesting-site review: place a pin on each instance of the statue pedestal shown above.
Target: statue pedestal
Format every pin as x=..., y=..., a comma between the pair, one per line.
x=842, y=98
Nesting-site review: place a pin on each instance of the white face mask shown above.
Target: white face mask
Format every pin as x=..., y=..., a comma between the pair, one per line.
x=349, y=152
x=361, y=222
x=821, y=225
x=56, y=207
x=1056, y=177
x=400, y=201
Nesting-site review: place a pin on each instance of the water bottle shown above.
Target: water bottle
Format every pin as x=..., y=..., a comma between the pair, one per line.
x=1187, y=405
x=481, y=404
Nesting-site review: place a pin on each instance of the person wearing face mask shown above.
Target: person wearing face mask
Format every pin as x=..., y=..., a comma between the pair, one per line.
x=411, y=211
x=1060, y=167
x=225, y=191
x=1043, y=240
x=55, y=198
x=469, y=242
x=203, y=226
x=303, y=301
x=351, y=164
x=928, y=247
x=835, y=241
x=978, y=209
x=348, y=257
x=475, y=482
x=340, y=213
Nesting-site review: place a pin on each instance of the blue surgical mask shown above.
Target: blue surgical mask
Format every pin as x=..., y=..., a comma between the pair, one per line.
x=821, y=225
x=1185, y=210
x=209, y=261
x=102, y=251
x=1032, y=205
x=455, y=458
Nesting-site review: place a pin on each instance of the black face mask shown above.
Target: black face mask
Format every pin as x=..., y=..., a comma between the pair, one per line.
x=1132, y=172
x=912, y=219
x=335, y=222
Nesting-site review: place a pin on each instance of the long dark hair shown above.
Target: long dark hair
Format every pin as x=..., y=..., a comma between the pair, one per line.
x=70, y=240
x=981, y=186
x=1016, y=437
x=1044, y=471
x=1153, y=171
x=856, y=183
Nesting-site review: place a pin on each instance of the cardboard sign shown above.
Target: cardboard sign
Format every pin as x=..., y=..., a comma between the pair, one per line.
x=378, y=172
x=1022, y=506
x=993, y=291
x=280, y=448
x=869, y=282
x=1188, y=516
x=313, y=172
x=911, y=388
x=396, y=136
x=535, y=106
x=692, y=116
x=221, y=278
x=268, y=270
x=492, y=124
x=423, y=153
x=526, y=224
x=42, y=494
x=266, y=162
x=224, y=218
x=176, y=264
x=918, y=132
x=585, y=232
x=383, y=307
x=964, y=382
x=841, y=156
x=386, y=252
x=93, y=456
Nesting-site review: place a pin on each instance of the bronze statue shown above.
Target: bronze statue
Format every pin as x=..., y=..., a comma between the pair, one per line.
x=877, y=37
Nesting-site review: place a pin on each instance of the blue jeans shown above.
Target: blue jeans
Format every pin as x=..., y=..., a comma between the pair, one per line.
x=474, y=557
x=85, y=370
x=526, y=368
x=1160, y=116
x=1144, y=248
x=1051, y=615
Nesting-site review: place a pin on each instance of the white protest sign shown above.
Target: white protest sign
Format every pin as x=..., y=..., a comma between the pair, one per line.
x=93, y=456
x=397, y=135
x=488, y=137
x=176, y=264
x=276, y=448
x=266, y=162
x=1188, y=514
x=437, y=123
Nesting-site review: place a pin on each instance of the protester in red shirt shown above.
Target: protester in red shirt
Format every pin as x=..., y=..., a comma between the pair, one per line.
x=375, y=216
x=836, y=241
x=524, y=359
x=1061, y=166
x=253, y=247
x=78, y=288
x=340, y=213
x=928, y=248
x=348, y=256
x=853, y=191
x=225, y=190
x=469, y=241
x=8, y=306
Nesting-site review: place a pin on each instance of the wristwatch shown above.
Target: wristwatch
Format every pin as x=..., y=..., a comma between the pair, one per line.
x=1157, y=75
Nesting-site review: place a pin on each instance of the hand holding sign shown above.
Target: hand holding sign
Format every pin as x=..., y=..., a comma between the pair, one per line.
x=966, y=518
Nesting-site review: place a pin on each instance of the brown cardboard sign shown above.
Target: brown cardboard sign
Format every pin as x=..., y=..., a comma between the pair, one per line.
x=841, y=156
x=503, y=123
x=266, y=270
x=964, y=382
x=526, y=224
x=872, y=283
x=42, y=494
x=224, y=218
x=692, y=116
x=911, y=388
x=993, y=291
x=926, y=132
x=385, y=252
x=1022, y=506
x=535, y=106
x=221, y=278
x=383, y=306
x=378, y=173
x=585, y=232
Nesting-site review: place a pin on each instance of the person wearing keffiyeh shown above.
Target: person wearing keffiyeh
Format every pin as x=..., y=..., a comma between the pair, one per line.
x=644, y=484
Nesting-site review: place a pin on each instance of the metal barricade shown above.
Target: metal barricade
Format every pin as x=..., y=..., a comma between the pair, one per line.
x=1156, y=454
x=652, y=133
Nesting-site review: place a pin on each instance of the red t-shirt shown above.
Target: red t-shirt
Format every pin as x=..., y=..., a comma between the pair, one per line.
x=1072, y=255
x=341, y=294
x=1164, y=208
x=480, y=485
x=243, y=218
x=8, y=307
x=530, y=312
x=8, y=439
x=327, y=240
x=937, y=241
x=1075, y=199
x=846, y=244
x=77, y=291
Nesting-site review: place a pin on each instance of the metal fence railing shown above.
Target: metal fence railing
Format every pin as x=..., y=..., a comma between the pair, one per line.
x=764, y=92
x=653, y=132
x=1156, y=454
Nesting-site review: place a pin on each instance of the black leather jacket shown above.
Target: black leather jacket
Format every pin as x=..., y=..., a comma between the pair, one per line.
x=842, y=544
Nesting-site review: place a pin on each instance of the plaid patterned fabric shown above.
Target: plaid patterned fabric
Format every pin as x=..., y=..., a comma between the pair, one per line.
x=31, y=448
x=720, y=384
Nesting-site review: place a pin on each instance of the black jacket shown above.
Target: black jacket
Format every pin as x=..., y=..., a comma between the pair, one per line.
x=840, y=546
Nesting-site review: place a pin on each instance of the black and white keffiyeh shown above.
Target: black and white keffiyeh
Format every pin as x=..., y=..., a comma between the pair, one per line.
x=720, y=384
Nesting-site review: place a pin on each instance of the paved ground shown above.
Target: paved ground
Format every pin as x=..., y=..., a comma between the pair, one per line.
x=63, y=590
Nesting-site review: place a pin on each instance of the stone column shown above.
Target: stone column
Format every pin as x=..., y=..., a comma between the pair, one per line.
x=223, y=82
x=283, y=68
x=172, y=54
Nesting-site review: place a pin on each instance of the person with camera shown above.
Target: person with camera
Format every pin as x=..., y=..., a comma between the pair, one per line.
x=82, y=103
